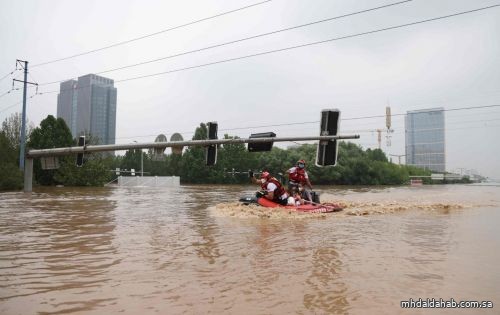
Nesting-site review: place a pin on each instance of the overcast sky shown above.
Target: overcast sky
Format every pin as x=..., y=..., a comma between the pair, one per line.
x=450, y=63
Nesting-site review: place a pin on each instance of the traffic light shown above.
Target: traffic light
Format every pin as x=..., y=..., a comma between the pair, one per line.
x=211, y=150
x=263, y=146
x=79, y=156
x=326, y=154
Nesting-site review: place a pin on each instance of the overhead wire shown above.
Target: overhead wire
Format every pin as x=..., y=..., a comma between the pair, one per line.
x=317, y=121
x=314, y=43
x=297, y=46
x=239, y=40
x=286, y=48
x=6, y=93
x=4, y=109
x=7, y=75
x=18, y=103
x=29, y=74
x=375, y=142
x=149, y=35
x=372, y=130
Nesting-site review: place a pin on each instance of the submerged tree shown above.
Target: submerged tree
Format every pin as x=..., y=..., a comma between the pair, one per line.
x=10, y=176
x=54, y=133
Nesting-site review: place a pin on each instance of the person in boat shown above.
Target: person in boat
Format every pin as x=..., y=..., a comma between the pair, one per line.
x=298, y=180
x=296, y=199
x=271, y=188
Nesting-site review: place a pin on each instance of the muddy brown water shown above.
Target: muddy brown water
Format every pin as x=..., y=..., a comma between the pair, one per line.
x=194, y=250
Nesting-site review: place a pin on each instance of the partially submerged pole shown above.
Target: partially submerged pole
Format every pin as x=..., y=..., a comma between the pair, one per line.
x=28, y=175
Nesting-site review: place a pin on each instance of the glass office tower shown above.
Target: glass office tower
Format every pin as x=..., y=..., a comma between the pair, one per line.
x=89, y=107
x=425, y=139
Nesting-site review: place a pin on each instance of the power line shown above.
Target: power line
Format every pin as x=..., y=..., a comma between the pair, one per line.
x=290, y=48
x=18, y=103
x=149, y=35
x=424, y=111
x=4, y=109
x=29, y=74
x=317, y=121
x=284, y=124
x=6, y=93
x=355, y=131
x=449, y=119
x=239, y=40
x=13, y=89
x=8, y=74
x=429, y=129
x=398, y=130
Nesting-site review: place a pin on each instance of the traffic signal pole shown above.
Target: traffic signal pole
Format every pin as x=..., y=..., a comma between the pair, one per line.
x=32, y=154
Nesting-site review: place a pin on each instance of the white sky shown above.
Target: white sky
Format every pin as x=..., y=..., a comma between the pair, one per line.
x=450, y=63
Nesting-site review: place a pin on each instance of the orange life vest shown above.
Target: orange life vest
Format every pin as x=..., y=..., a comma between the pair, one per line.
x=278, y=192
x=299, y=176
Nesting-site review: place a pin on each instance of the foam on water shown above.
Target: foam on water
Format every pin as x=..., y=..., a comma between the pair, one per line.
x=389, y=207
x=239, y=210
x=351, y=208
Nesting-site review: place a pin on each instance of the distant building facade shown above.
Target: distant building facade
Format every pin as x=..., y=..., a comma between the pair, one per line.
x=425, y=139
x=88, y=105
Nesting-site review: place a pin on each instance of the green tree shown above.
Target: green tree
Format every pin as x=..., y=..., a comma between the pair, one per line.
x=231, y=156
x=376, y=155
x=94, y=172
x=52, y=133
x=193, y=166
x=131, y=160
x=11, y=177
x=11, y=127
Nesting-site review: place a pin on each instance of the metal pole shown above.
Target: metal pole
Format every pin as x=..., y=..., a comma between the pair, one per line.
x=23, y=123
x=142, y=165
x=28, y=175
x=151, y=145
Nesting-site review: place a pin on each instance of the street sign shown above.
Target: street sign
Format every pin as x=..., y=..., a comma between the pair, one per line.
x=49, y=163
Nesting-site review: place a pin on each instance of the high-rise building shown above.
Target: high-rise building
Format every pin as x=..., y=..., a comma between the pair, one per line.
x=89, y=107
x=425, y=139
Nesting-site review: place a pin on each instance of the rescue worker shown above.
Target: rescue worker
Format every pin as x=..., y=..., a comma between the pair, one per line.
x=298, y=178
x=271, y=188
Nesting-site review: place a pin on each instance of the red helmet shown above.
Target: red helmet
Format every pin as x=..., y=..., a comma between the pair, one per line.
x=301, y=162
x=265, y=175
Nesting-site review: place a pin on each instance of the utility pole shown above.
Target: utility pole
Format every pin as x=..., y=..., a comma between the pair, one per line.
x=23, y=122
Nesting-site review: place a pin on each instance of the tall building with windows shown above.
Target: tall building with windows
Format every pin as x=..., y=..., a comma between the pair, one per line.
x=88, y=105
x=425, y=139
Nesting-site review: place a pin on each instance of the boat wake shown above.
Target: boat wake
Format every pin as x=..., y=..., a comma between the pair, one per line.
x=351, y=208
x=373, y=208
x=239, y=210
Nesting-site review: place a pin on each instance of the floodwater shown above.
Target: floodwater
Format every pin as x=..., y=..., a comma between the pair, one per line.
x=193, y=250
